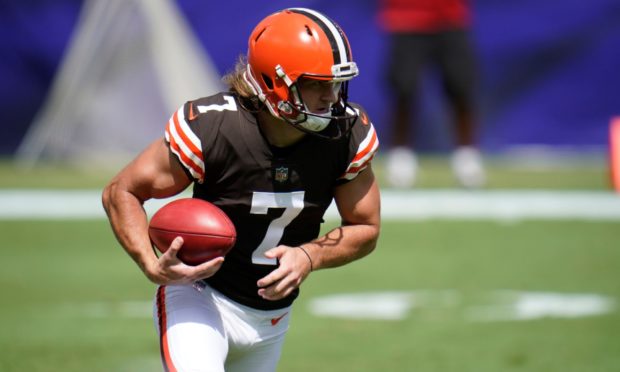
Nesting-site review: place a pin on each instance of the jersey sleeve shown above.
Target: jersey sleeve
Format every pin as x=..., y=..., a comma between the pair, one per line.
x=363, y=146
x=184, y=142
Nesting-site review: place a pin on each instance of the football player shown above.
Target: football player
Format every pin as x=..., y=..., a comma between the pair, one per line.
x=436, y=33
x=272, y=152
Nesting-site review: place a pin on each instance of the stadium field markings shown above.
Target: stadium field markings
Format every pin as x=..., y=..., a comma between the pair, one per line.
x=397, y=205
x=499, y=305
x=491, y=306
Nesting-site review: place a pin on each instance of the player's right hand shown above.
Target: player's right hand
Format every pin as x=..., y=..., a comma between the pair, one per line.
x=169, y=269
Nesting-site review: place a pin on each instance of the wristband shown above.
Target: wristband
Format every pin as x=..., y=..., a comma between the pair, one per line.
x=307, y=255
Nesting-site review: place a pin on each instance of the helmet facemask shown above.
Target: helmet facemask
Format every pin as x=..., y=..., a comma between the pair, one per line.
x=329, y=125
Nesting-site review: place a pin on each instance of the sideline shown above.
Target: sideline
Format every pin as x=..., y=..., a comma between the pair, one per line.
x=409, y=205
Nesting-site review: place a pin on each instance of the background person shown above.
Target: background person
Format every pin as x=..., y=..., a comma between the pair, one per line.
x=436, y=33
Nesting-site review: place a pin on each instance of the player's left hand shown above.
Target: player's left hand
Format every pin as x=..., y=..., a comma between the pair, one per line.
x=293, y=270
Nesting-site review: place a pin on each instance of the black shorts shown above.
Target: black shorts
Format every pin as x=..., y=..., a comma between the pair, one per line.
x=448, y=52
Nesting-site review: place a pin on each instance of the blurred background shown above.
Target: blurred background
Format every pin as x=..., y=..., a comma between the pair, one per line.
x=549, y=70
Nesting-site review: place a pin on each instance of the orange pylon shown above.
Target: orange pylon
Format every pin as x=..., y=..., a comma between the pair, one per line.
x=614, y=152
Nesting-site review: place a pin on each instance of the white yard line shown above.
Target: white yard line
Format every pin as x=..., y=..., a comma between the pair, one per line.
x=487, y=306
x=416, y=204
x=492, y=306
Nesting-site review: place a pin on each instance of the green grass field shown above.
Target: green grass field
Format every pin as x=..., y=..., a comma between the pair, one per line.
x=73, y=301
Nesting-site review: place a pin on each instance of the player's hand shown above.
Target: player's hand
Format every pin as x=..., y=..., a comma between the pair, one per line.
x=169, y=269
x=293, y=270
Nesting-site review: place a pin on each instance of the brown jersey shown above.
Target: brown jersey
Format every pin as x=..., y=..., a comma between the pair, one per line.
x=273, y=195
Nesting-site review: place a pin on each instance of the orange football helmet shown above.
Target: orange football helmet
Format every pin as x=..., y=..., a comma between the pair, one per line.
x=300, y=43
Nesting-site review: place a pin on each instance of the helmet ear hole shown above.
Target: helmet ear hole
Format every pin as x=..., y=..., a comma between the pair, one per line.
x=268, y=81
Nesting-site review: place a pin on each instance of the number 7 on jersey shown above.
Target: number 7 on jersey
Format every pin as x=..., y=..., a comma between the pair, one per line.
x=292, y=202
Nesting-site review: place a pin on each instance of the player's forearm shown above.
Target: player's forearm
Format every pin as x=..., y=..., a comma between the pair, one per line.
x=129, y=223
x=342, y=245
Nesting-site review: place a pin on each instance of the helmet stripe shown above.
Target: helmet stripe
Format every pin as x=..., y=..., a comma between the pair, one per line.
x=335, y=35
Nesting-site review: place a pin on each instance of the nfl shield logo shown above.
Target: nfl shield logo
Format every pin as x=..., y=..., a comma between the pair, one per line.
x=281, y=174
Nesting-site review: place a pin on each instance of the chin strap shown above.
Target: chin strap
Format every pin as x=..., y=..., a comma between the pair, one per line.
x=341, y=124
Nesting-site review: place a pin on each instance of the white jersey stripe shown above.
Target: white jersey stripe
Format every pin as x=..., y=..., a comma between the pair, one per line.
x=184, y=152
x=358, y=165
x=187, y=130
x=178, y=140
x=197, y=158
x=368, y=139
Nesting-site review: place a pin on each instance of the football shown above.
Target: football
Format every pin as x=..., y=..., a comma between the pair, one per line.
x=206, y=230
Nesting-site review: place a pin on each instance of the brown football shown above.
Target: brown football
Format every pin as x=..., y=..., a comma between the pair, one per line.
x=206, y=230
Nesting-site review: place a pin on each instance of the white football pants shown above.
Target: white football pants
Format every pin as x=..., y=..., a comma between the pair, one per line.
x=205, y=331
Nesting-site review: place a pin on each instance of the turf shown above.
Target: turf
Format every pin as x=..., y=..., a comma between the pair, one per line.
x=471, y=258
x=64, y=283
x=72, y=300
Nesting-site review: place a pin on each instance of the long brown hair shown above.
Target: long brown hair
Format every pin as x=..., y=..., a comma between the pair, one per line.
x=235, y=81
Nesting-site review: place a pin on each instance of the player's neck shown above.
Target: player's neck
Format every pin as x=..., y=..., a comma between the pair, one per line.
x=277, y=132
